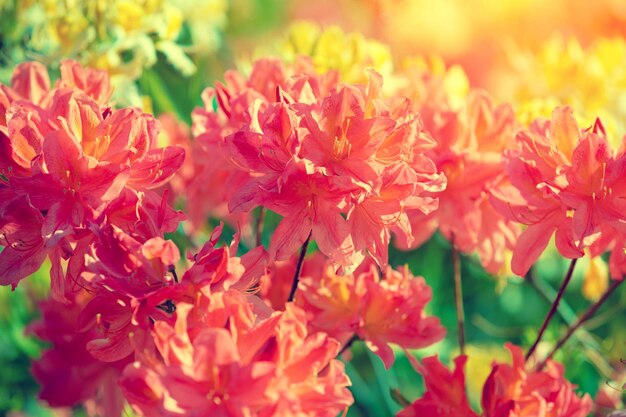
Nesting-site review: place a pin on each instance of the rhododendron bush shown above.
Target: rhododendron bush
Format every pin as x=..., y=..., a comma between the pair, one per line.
x=323, y=226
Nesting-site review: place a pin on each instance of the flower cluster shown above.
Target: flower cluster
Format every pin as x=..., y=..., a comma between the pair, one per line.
x=340, y=162
x=567, y=182
x=377, y=309
x=221, y=358
x=509, y=391
x=123, y=37
x=343, y=164
x=69, y=165
x=82, y=185
x=470, y=142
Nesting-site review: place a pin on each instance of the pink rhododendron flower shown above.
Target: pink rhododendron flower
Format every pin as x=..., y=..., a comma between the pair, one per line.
x=133, y=284
x=510, y=391
x=567, y=181
x=227, y=107
x=378, y=309
x=220, y=359
x=335, y=167
x=470, y=142
x=73, y=159
x=445, y=394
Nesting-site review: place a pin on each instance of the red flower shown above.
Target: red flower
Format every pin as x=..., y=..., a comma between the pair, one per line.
x=510, y=391
x=379, y=310
x=218, y=360
x=566, y=181
x=469, y=147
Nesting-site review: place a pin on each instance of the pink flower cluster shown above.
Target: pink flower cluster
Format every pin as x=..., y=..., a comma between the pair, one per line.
x=567, y=182
x=346, y=166
x=82, y=185
x=470, y=143
x=340, y=163
x=220, y=358
x=71, y=164
x=510, y=391
x=377, y=309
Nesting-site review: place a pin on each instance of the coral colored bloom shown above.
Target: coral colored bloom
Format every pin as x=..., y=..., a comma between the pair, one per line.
x=335, y=167
x=219, y=360
x=563, y=180
x=445, y=394
x=134, y=285
x=378, y=309
x=76, y=162
x=510, y=391
x=469, y=146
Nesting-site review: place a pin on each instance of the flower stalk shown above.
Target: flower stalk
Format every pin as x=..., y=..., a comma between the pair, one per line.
x=259, y=226
x=553, y=308
x=296, y=276
x=458, y=298
x=591, y=311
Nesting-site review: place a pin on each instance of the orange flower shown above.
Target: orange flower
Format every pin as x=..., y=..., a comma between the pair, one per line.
x=470, y=143
x=564, y=180
x=510, y=391
x=220, y=358
x=379, y=310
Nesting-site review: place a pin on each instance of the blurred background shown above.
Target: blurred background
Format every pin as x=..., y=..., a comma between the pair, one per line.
x=535, y=54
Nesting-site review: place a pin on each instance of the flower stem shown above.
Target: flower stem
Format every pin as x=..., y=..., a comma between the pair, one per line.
x=586, y=316
x=296, y=275
x=399, y=398
x=564, y=311
x=348, y=345
x=259, y=226
x=553, y=308
x=458, y=298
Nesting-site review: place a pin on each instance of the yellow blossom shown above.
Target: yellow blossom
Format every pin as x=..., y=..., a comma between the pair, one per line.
x=123, y=37
x=479, y=365
x=596, y=279
x=351, y=54
x=591, y=79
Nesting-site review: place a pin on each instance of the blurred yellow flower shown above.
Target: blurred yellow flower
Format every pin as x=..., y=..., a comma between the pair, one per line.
x=120, y=36
x=479, y=365
x=596, y=279
x=420, y=77
x=592, y=80
x=351, y=54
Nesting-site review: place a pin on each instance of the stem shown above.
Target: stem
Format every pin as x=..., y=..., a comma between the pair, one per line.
x=259, y=226
x=348, y=345
x=553, y=308
x=565, y=311
x=296, y=275
x=458, y=298
x=399, y=398
x=172, y=270
x=586, y=316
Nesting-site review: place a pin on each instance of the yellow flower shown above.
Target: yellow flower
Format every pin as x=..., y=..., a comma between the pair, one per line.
x=453, y=79
x=351, y=54
x=479, y=365
x=596, y=279
x=128, y=14
x=592, y=80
